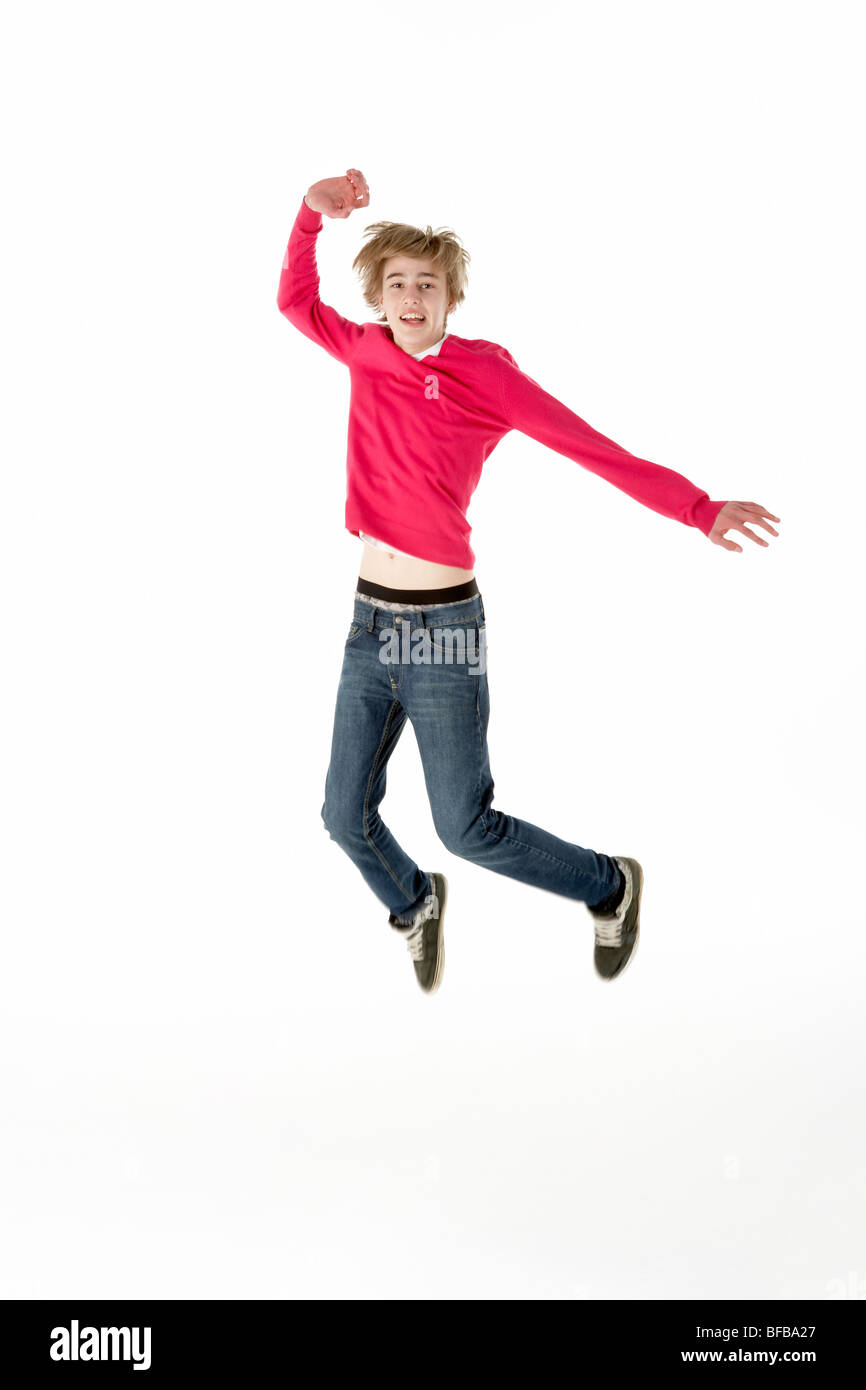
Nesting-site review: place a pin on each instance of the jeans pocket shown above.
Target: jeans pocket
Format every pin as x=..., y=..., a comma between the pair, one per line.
x=354, y=633
x=458, y=645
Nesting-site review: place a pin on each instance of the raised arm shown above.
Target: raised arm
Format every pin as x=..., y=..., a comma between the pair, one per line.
x=533, y=411
x=298, y=293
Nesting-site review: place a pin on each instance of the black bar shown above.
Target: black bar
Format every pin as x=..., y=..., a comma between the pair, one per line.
x=242, y=1341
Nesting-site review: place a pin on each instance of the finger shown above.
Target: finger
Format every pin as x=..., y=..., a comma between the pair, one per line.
x=359, y=186
x=358, y=200
x=754, y=507
x=757, y=521
x=759, y=540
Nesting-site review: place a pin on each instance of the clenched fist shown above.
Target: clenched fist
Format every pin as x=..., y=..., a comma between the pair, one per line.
x=338, y=197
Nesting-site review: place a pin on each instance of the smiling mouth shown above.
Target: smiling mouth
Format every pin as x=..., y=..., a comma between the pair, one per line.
x=412, y=320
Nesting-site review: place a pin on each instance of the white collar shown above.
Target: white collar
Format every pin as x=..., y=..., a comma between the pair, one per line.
x=430, y=351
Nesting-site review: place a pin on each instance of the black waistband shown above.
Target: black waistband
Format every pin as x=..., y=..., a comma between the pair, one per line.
x=452, y=594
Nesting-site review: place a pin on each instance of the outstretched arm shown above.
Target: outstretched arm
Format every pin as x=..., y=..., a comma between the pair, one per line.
x=298, y=294
x=533, y=411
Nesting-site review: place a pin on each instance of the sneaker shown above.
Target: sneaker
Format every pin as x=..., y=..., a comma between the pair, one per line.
x=424, y=935
x=616, y=935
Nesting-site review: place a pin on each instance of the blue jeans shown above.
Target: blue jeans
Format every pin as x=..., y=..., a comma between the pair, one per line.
x=430, y=667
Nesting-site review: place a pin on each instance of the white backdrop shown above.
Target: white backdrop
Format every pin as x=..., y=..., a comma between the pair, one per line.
x=219, y=1077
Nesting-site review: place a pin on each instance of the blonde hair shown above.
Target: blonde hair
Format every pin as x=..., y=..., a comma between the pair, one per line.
x=400, y=239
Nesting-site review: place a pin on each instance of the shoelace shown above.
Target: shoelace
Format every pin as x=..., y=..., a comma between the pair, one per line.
x=608, y=931
x=415, y=938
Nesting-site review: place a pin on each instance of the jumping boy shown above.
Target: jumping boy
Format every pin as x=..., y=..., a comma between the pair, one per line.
x=427, y=408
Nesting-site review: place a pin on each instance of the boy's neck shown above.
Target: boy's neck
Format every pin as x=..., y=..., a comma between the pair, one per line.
x=416, y=351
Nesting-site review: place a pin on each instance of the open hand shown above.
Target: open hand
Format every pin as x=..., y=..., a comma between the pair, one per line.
x=737, y=514
x=338, y=197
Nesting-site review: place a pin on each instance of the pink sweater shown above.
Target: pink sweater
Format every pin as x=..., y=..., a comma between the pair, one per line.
x=421, y=429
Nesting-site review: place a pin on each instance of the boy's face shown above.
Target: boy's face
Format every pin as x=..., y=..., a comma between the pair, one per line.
x=414, y=287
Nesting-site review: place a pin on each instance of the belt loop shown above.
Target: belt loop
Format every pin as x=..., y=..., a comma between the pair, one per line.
x=371, y=622
x=423, y=616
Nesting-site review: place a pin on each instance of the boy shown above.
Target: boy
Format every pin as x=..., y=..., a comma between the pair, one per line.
x=427, y=408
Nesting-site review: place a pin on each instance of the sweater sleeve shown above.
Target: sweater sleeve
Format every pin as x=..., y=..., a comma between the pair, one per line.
x=527, y=407
x=298, y=293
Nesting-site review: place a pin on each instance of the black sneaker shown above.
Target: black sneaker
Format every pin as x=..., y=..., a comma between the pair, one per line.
x=616, y=935
x=424, y=935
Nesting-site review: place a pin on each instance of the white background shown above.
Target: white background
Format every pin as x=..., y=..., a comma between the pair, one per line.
x=219, y=1076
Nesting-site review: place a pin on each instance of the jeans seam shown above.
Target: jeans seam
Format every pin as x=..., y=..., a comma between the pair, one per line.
x=395, y=704
x=533, y=849
x=478, y=789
